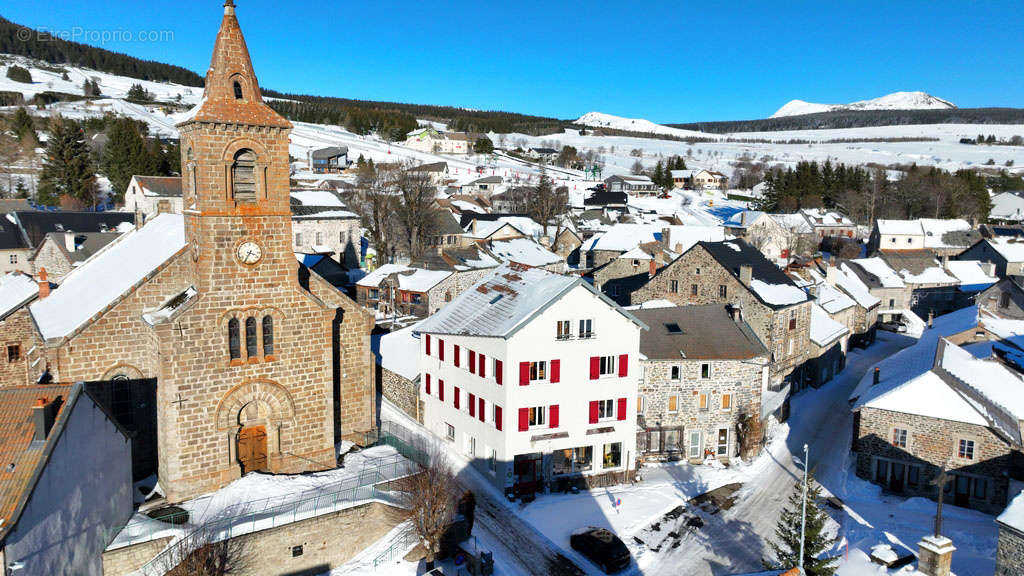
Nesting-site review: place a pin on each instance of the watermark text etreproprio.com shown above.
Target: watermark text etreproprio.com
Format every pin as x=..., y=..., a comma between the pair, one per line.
x=89, y=36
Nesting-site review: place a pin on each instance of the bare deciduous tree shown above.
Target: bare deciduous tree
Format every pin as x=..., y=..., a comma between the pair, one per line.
x=200, y=554
x=376, y=201
x=417, y=210
x=429, y=499
x=547, y=202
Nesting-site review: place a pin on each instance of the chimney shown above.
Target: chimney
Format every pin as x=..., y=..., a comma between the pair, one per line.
x=831, y=274
x=935, y=555
x=813, y=290
x=652, y=268
x=989, y=268
x=736, y=312
x=746, y=274
x=69, y=241
x=44, y=284
x=877, y=376
x=940, y=351
x=43, y=415
x=666, y=238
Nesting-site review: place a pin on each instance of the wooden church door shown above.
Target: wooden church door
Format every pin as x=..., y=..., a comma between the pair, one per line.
x=252, y=448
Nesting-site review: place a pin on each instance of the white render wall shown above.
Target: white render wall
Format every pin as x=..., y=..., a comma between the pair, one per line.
x=889, y=242
x=614, y=335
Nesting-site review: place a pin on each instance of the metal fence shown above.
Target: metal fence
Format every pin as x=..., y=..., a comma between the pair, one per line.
x=404, y=541
x=252, y=516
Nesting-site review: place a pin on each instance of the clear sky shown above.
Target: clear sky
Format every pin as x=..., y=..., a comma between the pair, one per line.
x=665, y=61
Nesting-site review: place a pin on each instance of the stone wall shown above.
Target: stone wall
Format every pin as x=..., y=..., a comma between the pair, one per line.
x=21, y=261
x=341, y=235
x=124, y=561
x=620, y=279
x=931, y=444
x=17, y=330
x=402, y=392
x=595, y=258
x=741, y=378
x=1010, y=552
x=53, y=258
x=698, y=268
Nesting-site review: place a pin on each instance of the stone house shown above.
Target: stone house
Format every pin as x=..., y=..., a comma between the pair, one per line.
x=1010, y=546
x=829, y=341
x=634, y=185
x=761, y=231
x=397, y=356
x=22, y=232
x=735, y=273
x=259, y=368
x=1006, y=252
x=703, y=372
x=67, y=482
x=437, y=172
x=865, y=315
x=943, y=237
x=322, y=225
x=963, y=414
x=148, y=196
x=60, y=252
x=1004, y=299
x=405, y=291
x=620, y=277
x=883, y=283
x=825, y=223
x=15, y=248
x=17, y=335
x=567, y=243
x=623, y=237
x=933, y=290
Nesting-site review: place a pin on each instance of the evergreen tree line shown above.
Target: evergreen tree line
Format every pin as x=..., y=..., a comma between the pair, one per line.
x=920, y=192
x=862, y=119
x=661, y=174
x=128, y=152
x=58, y=51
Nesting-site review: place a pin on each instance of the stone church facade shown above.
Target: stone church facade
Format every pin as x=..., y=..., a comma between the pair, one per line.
x=260, y=363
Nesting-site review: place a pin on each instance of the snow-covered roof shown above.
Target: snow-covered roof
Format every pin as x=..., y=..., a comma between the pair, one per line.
x=411, y=279
x=970, y=272
x=743, y=218
x=793, y=222
x=931, y=275
x=887, y=277
x=928, y=395
x=900, y=227
x=848, y=282
x=523, y=251
x=504, y=301
x=1013, y=515
x=936, y=229
x=317, y=198
x=778, y=294
x=822, y=217
x=833, y=300
x=398, y=352
x=1007, y=206
x=15, y=290
x=107, y=275
x=636, y=254
x=824, y=330
x=988, y=376
x=1009, y=247
x=624, y=237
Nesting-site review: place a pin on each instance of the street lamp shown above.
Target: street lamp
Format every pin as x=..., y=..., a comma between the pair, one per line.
x=803, y=517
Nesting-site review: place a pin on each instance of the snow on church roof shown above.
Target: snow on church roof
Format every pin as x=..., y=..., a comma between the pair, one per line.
x=107, y=275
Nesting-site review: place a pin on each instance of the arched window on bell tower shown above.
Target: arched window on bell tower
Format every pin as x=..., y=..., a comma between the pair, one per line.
x=243, y=176
x=234, y=340
x=238, y=90
x=268, y=335
x=251, y=346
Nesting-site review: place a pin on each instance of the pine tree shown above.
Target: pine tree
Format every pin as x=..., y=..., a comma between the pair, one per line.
x=125, y=155
x=22, y=125
x=817, y=544
x=67, y=169
x=19, y=74
x=138, y=94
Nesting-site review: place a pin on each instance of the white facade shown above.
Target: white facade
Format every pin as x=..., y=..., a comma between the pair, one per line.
x=546, y=382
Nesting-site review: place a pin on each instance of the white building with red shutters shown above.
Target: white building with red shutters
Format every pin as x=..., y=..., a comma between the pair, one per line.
x=533, y=375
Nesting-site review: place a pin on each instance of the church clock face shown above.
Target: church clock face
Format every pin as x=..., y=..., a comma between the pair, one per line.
x=249, y=252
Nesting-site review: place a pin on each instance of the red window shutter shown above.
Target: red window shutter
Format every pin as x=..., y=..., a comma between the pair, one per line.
x=497, y=418
x=556, y=371
x=623, y=365
x=554, y=415
x=480, y=413
x=472, y=362
x=620, y=412
x=440, y=390
x=472, y=405
x=440, y=349
x=595, y=367
x=483, y=366
x=428, y=384
x=524, y=419
x=455, y=399
x=593, y=411
x=428, y=344
x=524, y=373
x=456, y=353
x=498, y=372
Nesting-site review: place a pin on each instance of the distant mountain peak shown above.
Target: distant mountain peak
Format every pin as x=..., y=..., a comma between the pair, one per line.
x=602, y=120
x=894, y=101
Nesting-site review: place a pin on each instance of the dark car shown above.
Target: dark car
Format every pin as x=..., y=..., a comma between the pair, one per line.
x=602, y=548
x=892, y=326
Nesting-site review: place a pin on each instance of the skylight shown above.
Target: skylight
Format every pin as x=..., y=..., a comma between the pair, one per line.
x=673, y=328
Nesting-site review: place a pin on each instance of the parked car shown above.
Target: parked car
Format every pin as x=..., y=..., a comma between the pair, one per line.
x=892, y=326
x=602, y=548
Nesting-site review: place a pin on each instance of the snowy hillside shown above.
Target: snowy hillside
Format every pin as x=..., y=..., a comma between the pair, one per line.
x=602, y=120
x=894, y=101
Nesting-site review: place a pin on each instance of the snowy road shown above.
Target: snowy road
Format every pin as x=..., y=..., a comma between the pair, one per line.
x=734, y=540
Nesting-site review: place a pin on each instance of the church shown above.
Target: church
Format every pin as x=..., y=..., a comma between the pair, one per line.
x=259, y=363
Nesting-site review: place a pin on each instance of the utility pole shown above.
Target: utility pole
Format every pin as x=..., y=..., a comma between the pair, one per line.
x=803, y=517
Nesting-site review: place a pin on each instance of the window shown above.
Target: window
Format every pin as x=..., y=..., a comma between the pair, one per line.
x=572, y=460
x=673, y=403
x=696, y=271
x=605, y=409
x=636, y=263
x=537, y=416
x=298, y=238
x=243, y=176
x=693, y=450
x=319, y=238
x=789, y=347
x=14, y=259
x=892, y=303
x=234, y=339
x=492, y=461
x=723, y=441
x=251, y=347
x=450, y=432
x=792, y=320
x=586, y=329
x=966, y=449
x=702, y=401
x=448, y=296
x=13, y=352
x=705, y=371
x=899, y=437
x=726, y=402
x=470, y=446
x=673, y=286
x=562, y=330
x=639, y=404
x=238, y=90
x=723, y=292
x=675, y=373
x=673, y=328
x=373, y=294
x=538, y=370
x=268, y=336
x=607, y=366
x=341, y=237
x=612, y=455
x=693, y=290
x=1004, y=298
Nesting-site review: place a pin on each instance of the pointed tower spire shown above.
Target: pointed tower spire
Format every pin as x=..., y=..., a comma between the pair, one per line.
x=232, y=94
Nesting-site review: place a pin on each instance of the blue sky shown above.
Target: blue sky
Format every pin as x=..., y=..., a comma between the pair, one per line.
x=665, y=61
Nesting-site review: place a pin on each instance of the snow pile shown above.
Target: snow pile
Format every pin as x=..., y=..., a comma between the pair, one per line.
x=109, y=274
x=894, y=101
